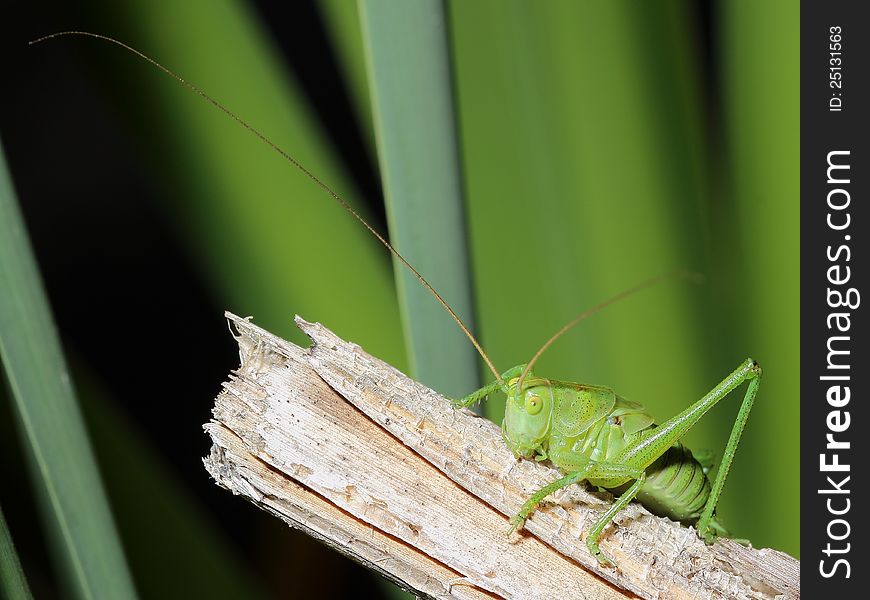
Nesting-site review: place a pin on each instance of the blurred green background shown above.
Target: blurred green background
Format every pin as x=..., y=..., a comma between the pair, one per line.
x=600, y=143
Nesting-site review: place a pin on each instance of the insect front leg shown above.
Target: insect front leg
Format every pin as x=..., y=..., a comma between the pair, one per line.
x=482, y=393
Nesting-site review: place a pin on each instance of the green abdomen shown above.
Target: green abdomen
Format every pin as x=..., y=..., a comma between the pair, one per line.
x=676, y=486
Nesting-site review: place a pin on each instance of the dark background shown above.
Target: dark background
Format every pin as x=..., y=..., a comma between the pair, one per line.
x=107, y=250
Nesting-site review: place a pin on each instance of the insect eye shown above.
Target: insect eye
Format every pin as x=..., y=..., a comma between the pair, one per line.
x=534, y=404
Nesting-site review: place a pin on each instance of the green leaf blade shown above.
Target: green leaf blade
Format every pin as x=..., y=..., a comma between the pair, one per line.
x=85, y=543
x=13, y=583
x=415, y=126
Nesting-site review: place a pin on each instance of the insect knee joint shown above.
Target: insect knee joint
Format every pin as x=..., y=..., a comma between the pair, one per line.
x=754, y=368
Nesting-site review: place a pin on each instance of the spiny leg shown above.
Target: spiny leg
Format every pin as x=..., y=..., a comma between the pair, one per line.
x=606, y=518
x=612, y=471
x=488, y=389
x=591, y=470
x=705, y=527
x=654, y=442
x=531, y=504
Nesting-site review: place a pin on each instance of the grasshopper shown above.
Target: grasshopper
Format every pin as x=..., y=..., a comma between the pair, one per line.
x=587, y=431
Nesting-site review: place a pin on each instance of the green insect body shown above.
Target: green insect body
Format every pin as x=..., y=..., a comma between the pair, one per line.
x=592, y=423
x=586, y=431
x=592, y=434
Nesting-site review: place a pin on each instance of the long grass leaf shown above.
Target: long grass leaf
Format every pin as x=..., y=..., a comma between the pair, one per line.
x=762, y=110
x=410, y=77
x=13, y=583
x=76, y=511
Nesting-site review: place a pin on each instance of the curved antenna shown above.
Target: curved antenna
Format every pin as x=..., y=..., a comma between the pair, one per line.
x=682, y=274
x=296, y=164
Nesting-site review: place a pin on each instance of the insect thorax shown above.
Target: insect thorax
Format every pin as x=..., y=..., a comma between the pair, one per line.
x=603, y=440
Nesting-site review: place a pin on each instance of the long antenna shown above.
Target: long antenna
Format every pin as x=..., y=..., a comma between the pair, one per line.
x=296, y=164
x=682, y=274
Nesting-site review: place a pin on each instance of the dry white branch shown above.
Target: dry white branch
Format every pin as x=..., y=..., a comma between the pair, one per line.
x=288, y=442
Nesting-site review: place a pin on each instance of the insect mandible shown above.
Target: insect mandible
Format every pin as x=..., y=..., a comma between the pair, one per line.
x=587, y=431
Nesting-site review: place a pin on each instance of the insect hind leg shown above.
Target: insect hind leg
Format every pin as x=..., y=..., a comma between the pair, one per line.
x=707, y=528
x=654, y=442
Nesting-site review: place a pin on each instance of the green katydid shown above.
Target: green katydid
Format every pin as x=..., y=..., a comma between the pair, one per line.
x=591, y=434
x=588, y=432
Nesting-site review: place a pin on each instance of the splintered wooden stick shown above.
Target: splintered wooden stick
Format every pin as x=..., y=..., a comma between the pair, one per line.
x=376, y=465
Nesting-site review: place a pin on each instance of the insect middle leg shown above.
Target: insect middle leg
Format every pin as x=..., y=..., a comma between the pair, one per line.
x=518, y=520
x=605, y=519
x=596, y=470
